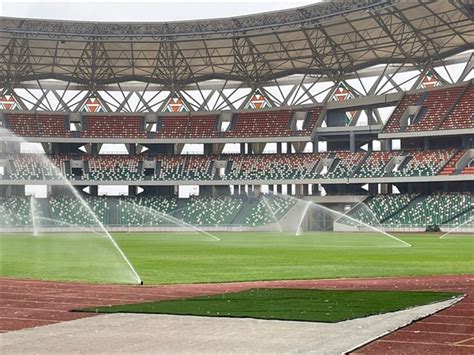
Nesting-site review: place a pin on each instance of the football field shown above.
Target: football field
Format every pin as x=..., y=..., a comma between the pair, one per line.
x=166, y=258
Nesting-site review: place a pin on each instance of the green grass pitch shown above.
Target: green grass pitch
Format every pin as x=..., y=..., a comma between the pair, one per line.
x=287, y=304
x=163, y=258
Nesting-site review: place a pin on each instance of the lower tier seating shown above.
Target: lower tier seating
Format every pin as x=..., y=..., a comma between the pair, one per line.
x=377, y=208
x=267, y=209
x=69, y=211
x=210, y=210
x=145, y=211
x=433, y=209
x=397, y=210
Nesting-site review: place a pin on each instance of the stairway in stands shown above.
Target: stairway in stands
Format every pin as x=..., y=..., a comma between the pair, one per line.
x=450, y=166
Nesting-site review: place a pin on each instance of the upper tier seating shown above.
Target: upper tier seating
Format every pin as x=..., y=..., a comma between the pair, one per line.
x=262, y=124
x=173, y=127
x=436, y=105
x=463, y=114
x=38, y=125
x=272, y=123
x=202, y=126
x=309, y=125
x=393, y=123
x=113, y=127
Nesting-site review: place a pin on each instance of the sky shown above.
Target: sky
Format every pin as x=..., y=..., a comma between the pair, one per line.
x=142, y=10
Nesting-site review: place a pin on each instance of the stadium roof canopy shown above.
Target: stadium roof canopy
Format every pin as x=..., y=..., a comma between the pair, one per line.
x=330, y=38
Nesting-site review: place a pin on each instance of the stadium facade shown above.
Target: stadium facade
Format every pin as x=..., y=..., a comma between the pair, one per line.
x=339, y=103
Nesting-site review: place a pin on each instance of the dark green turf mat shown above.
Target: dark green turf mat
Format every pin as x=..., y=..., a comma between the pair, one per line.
x=287, y=304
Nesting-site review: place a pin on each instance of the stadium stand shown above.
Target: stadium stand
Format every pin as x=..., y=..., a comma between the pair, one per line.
x=171, y=167
x=397, y=210
x=433, y=209
x=344, y=164
x=374, y=165
x=114, y=168
x=446, y=108
x=15, y=211
x=450, y=166
x=271, y=166
x=437, y=105
x=197, y=167
x=266, y=209
x=261, y=124
x=172, y=127
x=274, y=167
x=67, y=211
x=38, y=125
x=462, y=116
x=424, y=163
x=210, y=210
x=202, y=126
x=145, y=211
x=113, y=127
x=36, y=167
x=377, y=208
x=393, y=123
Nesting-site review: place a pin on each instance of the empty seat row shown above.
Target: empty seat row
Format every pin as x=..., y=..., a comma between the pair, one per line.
x=267, y=167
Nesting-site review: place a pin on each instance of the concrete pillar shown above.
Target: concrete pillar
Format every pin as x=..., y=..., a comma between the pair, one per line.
x=278, y=147
x=132, y=191
x=257, y=189
x=94, y=190
x=242, y=148
x=289, y=189
x=352, y=143
x=316, y=144
x=94, y=149
x=386, y=145
x=208, y=149
x=373, y=188
x=306, y=189
x=288, y=147
x=279, y=189
x=316, y=191
x=132, y=149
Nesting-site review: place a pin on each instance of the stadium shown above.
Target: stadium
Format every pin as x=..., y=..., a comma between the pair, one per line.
x=289, y=181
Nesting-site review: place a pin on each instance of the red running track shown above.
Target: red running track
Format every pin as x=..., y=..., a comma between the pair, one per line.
x=28, y=303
